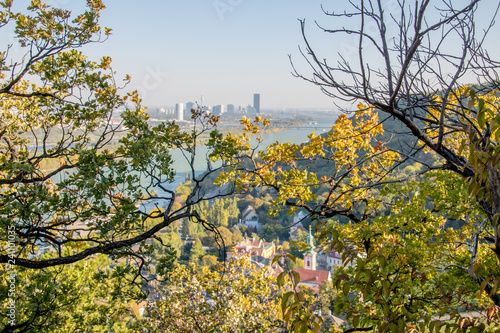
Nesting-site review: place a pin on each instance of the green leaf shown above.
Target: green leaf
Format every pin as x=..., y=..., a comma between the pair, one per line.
x=296, y=278
x=355, y=321
x=280, y=278
x=345, y=289
x=284, y=300
x=481, y=118
x=443, y=311
x=474, y=268
x=292, y=257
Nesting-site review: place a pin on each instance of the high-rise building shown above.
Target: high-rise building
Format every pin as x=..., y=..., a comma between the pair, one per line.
x=179, y=111
x=189, y=107
x=218, y=110
x=256, y=102
x=250, y=110
x=230, y=108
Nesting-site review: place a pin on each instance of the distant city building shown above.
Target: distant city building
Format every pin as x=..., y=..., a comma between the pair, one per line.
x=299, y=217
x=189, y=107
x=256, y=102
x=310, y=254
x=250, y=109
x=179, y=111
x=230, y=108
x=218, y=110
x=331, y=259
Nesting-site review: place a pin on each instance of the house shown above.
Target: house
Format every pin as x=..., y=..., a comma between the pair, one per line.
x=313, y=278
x=250, y=218
x=329, y=259
x=255, y=248
x=333, y=258
x=296, y=229
x=297, y=225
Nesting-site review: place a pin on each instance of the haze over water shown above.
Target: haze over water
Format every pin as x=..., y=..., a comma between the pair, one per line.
x=296, y=135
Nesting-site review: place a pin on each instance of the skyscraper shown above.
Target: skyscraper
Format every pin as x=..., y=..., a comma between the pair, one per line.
x=218, y=110
x=189, y=107
x=187, y=112
x=256, y=102
x=179, y=111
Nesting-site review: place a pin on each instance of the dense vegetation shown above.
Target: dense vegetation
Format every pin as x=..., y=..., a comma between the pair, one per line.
x=407, y=188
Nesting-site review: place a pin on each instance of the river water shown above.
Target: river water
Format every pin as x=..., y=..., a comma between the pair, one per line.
x=295, y=135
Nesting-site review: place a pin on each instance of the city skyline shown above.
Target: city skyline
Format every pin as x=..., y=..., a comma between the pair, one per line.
x=224, y=50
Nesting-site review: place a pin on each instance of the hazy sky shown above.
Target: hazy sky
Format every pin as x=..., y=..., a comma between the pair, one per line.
x=225, y=50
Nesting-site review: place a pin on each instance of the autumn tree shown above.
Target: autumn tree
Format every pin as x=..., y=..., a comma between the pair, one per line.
x=196, y=251
x=425, y=239
x=209, y=261
x=89, y=295
x=221, y=212
x=77, y=158
x=237, y=297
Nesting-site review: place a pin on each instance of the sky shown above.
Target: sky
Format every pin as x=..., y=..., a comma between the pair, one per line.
x=224, y=50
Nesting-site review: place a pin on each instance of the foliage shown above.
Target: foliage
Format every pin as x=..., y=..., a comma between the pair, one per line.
x=296, y=302
x=223, y=239
x=45, y=299
x=295, y=249
x=410, y=273
x=326, y=299
x=274, y=230
x=421, y=231
x=222, y=212
x=209, y=261
x=77, y=159
x=196, y=252
x=192, y=230
x=410, y=264
x=237, y=297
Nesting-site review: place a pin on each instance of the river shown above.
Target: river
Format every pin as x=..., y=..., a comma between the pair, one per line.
x=295, y=135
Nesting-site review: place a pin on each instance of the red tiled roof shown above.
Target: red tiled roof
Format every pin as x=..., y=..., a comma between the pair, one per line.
x=310, y=276
x=254, y=247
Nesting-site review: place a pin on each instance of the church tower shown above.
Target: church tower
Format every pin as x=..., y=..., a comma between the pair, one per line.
x=310, y=255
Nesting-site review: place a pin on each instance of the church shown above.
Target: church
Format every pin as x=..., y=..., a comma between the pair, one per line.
x=309, y=275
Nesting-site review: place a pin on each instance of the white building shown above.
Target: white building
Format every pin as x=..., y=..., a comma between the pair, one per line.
x=218, y=110
x=179, y=111
x=250, y=218
x=297, y=225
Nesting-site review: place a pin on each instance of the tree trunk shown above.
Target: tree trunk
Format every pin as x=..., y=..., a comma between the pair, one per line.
x=494, y=189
